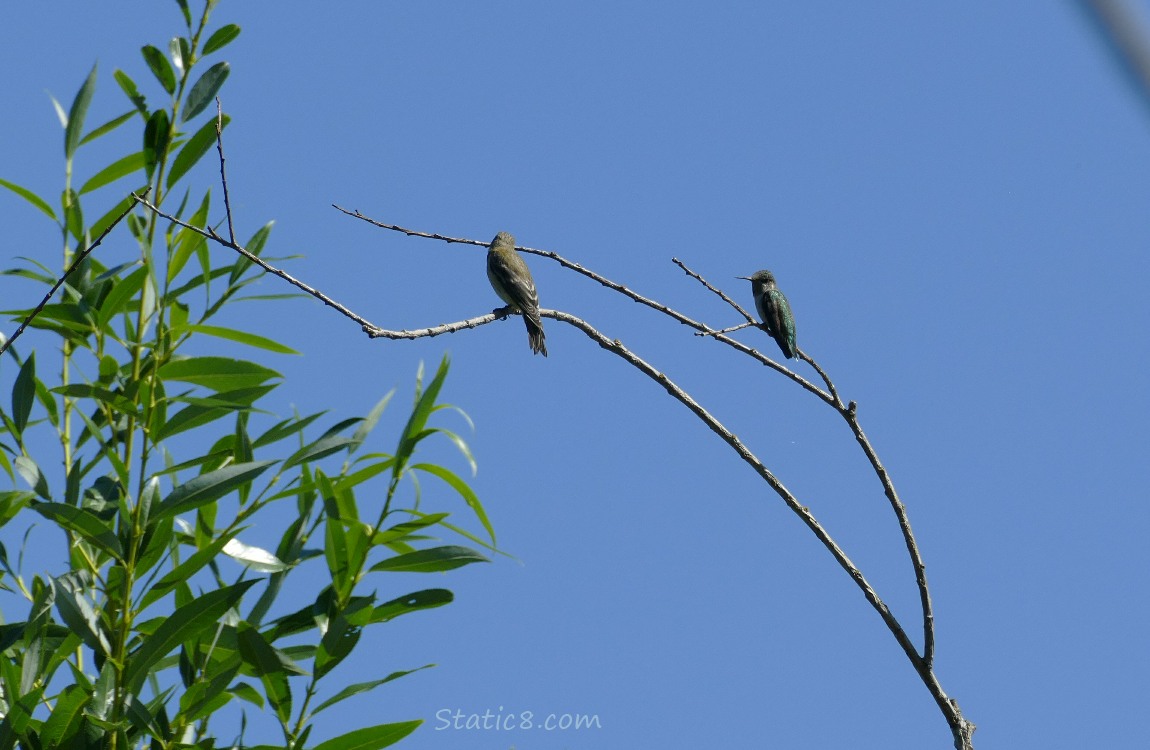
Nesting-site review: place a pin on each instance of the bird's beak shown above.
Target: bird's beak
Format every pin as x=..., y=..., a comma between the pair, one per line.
x=748, y=278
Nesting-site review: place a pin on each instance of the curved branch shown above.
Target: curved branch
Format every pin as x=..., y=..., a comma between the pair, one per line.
x=849, y=413
x=830, y=396
x=961, y=729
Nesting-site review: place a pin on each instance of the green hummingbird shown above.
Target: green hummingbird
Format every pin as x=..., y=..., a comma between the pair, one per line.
x=774, y=310
x=511, y=280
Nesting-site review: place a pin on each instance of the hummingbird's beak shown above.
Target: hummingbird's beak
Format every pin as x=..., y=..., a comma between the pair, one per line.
x=748, y=278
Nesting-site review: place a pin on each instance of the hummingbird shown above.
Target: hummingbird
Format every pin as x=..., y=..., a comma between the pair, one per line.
x=774, y=310
x=511, y=280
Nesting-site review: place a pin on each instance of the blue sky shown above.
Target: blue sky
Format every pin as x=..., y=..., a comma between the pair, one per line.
x=952, y=196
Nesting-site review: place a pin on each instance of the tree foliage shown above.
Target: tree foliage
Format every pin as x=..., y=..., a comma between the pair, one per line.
x=151, y=459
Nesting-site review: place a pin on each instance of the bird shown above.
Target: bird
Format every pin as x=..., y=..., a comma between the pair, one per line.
x=511, y=280
x=774, y=310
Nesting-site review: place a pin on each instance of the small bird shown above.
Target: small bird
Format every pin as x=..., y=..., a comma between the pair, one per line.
x=511, y=280
x=774, y=310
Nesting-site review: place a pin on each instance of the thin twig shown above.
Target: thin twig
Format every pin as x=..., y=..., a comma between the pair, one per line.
x=60, y=282
x=675, y=314
x=420, y=333
x=223, y=172
x=838, y=402
x=851, y=415
x=212, y=235
x=723, y=295
x=732, y=329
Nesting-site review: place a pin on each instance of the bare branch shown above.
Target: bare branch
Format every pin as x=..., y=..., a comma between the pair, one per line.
x=420, y=333
x=829, y=396
x=212, y=235
x=80, y=256
x=223, y=172
x=851, y=416
x=750, y=318
x=617, y=348
x=685, y=320
x=732, y=329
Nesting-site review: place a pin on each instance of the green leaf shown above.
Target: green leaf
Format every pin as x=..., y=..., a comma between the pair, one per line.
x=185, y=570
x=254, y=558
x=363, y=687
x=117, y=300
x=117, y=401
x=79, y=614
x=130, y=164
x=194, y=149
x=255, y=246
x=413, y=430
x=371, y=738
x=61, y=115
x=208, y=487
x=160, y=68
x=202, y=411
x=31, y=473
x=371, y=420
x=83, y=522
x=413, y=602
x=267, y=663
x=205, y=89
x=181, y=51
x=464, y=491
x=337, y=643
x=217, y=373
x=192, y=620
x=31, y=197
x=186, y=12
x=19, y=716
x=63, y=726
x=108, y=127
x=156, y=135
x=24, y=394
x=205, y=698
x=325, y=446
x=220, y=38
x=77, y=114
x=73, y=214
x=337, y=553
x=243, y=337
x=401, y=531
x=244, y=691
x=285, y=429
x=189, y=241
x=432, y=560
x=128, y=86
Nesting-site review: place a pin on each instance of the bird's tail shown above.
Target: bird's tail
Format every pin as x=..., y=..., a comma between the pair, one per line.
x=535, y=333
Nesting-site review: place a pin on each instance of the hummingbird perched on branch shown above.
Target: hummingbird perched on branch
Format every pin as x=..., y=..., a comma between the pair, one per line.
x=774, y=310
x=511, y=280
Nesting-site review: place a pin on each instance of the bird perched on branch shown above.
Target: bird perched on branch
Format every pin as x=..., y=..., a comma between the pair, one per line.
x=511, y=280
x=774, y=310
